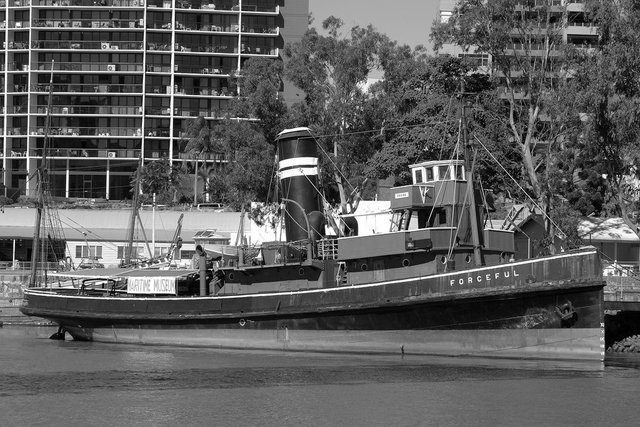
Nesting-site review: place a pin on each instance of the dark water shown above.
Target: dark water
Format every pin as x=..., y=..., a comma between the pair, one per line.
x=67, y=383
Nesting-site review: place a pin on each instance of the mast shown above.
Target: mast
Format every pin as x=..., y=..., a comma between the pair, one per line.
x=41, y=187
x=473, y=211
x=176, y=242
x=134, y=213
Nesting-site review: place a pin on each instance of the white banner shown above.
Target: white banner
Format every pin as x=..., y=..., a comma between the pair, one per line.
x=151, y=285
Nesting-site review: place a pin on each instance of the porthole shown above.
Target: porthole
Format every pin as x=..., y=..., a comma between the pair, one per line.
x=301, y=271
x=405, y=262
x=443, y=259
x=467, y=259
x=230, y=276
x=364, y=267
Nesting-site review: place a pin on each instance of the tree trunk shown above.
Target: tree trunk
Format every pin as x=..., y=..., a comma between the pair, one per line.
x=195, y=184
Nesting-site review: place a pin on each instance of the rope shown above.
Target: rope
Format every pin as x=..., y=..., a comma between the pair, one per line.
x=332, y=162
x=324, y=198
x=519, y=186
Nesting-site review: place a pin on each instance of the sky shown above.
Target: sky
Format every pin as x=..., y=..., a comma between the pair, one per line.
x=406, y=21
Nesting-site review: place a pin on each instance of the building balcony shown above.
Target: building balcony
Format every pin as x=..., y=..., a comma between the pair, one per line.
x=87, y=110
x=205, y=91
x=88, y=153
x=17, y=131
x=88, y=23
x=262, y=7
x=90, y=45
x=19, y=3
x=87, y=131
x=165, y=47
x=84, y=67
x=88, y=88
x=231, y=28
x=575, y=5
x=199, y=48
x=218, y=5
x=18, y=24
x=91, y=3
x=259, y=50
x=196, y=69
x=260, y=29
x=15, y=45
x=581, y=28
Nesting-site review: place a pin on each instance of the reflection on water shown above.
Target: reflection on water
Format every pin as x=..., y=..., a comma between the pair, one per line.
x=67, y=382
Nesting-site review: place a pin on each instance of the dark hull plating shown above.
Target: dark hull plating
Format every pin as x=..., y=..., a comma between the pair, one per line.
x=512, y=310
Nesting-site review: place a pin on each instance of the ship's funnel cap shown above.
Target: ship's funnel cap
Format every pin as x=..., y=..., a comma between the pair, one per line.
x=294, y=133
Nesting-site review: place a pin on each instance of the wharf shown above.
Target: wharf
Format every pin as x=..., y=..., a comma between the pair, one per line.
x=622, y=293
x=622, y=308
x=12, y=283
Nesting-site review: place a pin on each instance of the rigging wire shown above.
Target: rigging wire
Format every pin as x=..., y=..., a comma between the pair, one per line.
x=332, y=162
x=535, y=204
x=378, y=130
x=324, y=199
x=444, y=121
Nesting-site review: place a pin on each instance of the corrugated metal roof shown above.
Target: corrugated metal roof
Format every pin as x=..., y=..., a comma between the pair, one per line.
x=606, y=230
x=111, y=224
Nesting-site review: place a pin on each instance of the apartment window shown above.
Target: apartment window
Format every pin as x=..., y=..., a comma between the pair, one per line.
x=137, y=251
x=83, y=251
x=478, y=59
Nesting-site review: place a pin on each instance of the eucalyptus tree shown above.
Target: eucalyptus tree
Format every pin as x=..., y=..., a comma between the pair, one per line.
x=333, y=70
x=259, y=85
x=609, y=77
x=524, y=41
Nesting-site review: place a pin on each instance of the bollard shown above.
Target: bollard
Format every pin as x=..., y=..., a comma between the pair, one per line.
x=202, y=264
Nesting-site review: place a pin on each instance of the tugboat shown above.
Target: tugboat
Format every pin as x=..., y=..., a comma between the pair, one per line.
x=437, y=283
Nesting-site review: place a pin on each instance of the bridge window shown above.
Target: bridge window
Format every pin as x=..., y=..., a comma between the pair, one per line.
x=443, y=173
x=438, y=218
x=430, y=174
x=417, y=176
x=459, y=172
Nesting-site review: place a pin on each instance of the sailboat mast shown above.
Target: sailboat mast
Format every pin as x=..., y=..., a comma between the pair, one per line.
x=473, y=209
x=41, y=183
x=134, y=214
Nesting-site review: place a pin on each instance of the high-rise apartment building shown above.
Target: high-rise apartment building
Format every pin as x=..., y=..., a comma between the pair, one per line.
x=128, y=76
x=577, y=29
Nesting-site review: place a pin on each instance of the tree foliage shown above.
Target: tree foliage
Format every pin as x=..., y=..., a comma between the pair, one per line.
x=259, y=87
x=525, y=43
x=332, y=70
x=160, y=178
x=609, y=78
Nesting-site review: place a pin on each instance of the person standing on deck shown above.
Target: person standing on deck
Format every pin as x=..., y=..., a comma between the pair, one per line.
x=195, y=261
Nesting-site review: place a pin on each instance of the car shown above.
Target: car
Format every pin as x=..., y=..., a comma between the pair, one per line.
x=89, y=263
x=219, y=207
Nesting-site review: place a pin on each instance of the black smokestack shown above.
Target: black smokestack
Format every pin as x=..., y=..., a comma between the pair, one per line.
x=298, y=175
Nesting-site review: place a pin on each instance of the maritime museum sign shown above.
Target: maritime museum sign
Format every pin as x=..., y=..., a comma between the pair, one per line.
x=151, y=285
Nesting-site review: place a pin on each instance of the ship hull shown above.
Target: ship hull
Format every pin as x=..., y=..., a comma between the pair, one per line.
x=457, y=314
x=554, y=344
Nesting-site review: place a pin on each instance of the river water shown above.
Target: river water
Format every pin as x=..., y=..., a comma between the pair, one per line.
x=67, y=383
